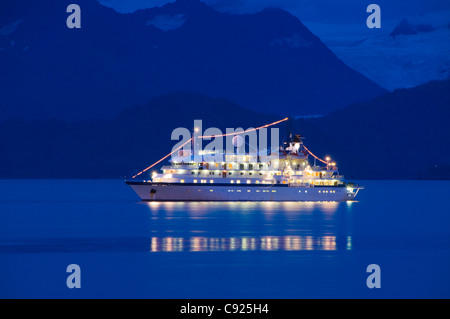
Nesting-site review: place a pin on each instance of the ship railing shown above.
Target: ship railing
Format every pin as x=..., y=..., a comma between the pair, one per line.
x=297, y=184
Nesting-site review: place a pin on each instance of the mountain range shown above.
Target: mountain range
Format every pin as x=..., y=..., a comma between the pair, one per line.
x=400, y=135
x=264, y=61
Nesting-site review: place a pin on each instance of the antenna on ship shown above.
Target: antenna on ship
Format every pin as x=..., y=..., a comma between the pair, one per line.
x=288, y=137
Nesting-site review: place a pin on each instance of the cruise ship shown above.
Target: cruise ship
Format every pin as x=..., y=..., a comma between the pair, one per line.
x=289, y=176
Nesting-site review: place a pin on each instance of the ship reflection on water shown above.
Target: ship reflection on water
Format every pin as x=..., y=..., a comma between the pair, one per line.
x=268, y=243
x=248, y=226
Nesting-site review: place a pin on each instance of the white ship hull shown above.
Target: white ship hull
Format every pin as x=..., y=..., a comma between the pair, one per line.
x=149, y=191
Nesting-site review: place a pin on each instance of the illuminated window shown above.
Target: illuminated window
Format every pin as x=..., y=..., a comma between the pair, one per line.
x=306, y=191
x=211, y=181
x=238, y=190
x=238, y=181
x=257, y=190
x=195, y=181
x=248, y=190
x=182, y=181
x=273, y=191
x=211, y=190
x=248, y=181
x=232, y=181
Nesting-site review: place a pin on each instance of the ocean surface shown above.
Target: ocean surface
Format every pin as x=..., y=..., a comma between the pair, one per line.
x=131, y=249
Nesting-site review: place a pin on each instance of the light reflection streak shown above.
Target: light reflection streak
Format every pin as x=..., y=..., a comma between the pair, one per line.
x=245, y=243
x=268, y=207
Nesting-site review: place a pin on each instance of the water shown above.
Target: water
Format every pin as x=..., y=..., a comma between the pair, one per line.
x=131, y=249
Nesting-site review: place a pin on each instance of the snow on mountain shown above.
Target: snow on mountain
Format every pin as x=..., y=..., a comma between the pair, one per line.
x=403, y=61
x=168, y=22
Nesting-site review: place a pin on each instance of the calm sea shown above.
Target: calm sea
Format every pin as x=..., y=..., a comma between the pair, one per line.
x=130, y=249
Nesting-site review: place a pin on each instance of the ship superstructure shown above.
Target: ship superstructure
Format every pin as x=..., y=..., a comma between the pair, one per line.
x=283, y=174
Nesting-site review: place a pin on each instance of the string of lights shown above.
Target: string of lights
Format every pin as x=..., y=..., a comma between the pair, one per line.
x=162, y=159
x=314, y=155
x=243, y=132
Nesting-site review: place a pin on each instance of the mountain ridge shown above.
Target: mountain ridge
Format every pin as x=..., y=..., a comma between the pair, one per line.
x=267, y=60
x=400, y=135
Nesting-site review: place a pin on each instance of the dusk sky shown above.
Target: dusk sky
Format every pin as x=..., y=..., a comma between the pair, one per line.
x=349, y=11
